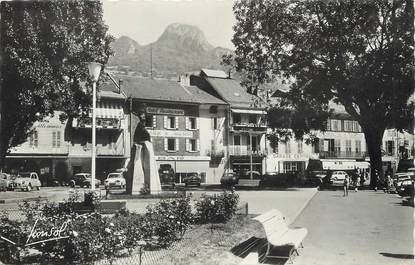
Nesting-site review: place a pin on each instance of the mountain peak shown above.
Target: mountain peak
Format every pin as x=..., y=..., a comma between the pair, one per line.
x=187, y=35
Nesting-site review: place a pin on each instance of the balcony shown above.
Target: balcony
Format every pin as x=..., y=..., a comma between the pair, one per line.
x=342, y=154
x=243, y=150
x=101, y=123
x=255, y=127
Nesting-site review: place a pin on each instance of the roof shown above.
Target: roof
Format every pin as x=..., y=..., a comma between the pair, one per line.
x=214, y=73
x=232, y=92
x=162, y=90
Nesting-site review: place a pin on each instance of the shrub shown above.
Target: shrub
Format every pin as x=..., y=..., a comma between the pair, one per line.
x=14, y=231
x=166, y=221
x=217, y=208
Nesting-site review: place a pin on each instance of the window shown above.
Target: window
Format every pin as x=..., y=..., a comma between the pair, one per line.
x=237, y=118
x=252, y=118
x=335, y=125
x=337, y=147
x=288, y=147
x=151, y=121
x=191, y=123
x=348, y=146
x=348, y=126
x=33, y=140
x=300, y=146
x=358, y=146
x=215, y=123
x=171, y=122
x=56, y=139
x=390, y=147
x=328, y=125
x=237, y=140
x=192, y=145
x=293, y=166
x=171, y=144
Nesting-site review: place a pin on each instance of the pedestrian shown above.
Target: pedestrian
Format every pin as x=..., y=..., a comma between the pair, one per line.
x=346, y=186
x=357, y=183
x=388, y=183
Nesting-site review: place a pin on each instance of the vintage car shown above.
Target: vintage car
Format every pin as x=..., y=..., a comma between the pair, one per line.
x=115, y=179
x=82, y=180
x=27, y=181
x=192, y=179
x=229, y=179
x=6, y=181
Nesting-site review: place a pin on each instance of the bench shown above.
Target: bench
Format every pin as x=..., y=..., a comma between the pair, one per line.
x=280, y=235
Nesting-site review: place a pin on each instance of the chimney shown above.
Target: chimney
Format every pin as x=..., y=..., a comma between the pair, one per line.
x=119, y=86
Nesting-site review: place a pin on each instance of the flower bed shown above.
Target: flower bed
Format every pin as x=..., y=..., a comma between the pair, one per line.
x=92, y=236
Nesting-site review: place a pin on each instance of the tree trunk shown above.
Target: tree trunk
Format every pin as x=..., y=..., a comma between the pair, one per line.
x=374, y=138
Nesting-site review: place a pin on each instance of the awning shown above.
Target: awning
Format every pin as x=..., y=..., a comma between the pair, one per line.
x=249, y=111
x=108, y=110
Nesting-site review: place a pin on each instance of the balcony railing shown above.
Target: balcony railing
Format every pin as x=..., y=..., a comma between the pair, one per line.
x=105, y=123
x=342, y=154
x=249, y=127
x=243, y=150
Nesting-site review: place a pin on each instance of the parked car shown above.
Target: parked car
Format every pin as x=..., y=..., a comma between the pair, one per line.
x=82, y=180
x=27, y=181
x=229, y=179
x=405, y=187
x=247, y=175
x=192, y=179
x=166, y=174
x=115, y=179
x=338, y=177
x=6, y=181
x=315, y=178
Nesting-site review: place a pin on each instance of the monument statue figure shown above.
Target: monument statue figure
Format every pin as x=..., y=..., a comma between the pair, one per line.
x=142, y=169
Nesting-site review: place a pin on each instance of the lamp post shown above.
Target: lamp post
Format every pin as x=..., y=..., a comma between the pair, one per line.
x=94, y=71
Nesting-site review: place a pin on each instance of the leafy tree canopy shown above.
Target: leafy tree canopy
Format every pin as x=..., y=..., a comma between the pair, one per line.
x=357, y=53
x=45, y=45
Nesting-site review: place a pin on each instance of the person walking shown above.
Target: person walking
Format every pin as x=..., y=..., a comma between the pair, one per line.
x=357, y=184
x=346, y=183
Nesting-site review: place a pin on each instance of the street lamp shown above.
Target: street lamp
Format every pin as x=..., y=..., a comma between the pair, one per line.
x=94, y=71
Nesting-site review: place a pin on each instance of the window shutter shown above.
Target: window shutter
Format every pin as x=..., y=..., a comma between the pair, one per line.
x=187, y=145
x=197, y=145
x=154, y=121
x=176, y=122
x=165, y=144
x=165, y=122
x=177, y=144
x=187, y=121
x=197, y=123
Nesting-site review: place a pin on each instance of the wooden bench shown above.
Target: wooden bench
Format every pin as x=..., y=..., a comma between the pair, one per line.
x=280, y=235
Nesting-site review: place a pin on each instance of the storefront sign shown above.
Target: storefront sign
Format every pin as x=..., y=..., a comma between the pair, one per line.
x=164, y=111
x=172, y=134
x=182, y=158
x=49, y=125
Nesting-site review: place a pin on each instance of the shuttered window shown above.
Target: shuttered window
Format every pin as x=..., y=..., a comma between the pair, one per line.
x=191, y=123
x=56, y=139
x=171, y=144
x=33, y=139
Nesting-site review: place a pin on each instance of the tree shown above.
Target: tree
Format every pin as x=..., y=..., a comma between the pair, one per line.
x=358, y=54
x=45, y=45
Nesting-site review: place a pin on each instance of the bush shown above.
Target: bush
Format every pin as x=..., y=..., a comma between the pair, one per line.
x=217, y=208
x=166, y=221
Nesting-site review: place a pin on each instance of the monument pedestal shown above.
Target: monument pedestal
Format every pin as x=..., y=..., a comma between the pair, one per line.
x=144, y=170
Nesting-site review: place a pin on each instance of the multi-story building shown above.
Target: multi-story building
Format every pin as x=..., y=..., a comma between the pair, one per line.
x=246, y=116
x=342, y=146
x=185, y=124
x=56, y=149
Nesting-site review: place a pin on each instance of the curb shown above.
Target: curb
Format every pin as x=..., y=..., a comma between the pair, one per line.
x=303, y=207
x=4, y=201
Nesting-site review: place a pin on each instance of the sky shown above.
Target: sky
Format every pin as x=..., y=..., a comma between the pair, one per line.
x=145, y=20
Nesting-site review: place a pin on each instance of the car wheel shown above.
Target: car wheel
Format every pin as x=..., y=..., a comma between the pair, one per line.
x=38, y=187
x=29, y=187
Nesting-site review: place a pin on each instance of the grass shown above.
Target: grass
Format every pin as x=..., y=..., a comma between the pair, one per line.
x=205, y=244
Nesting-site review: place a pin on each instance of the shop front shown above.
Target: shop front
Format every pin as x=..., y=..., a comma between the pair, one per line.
x=184, y=165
